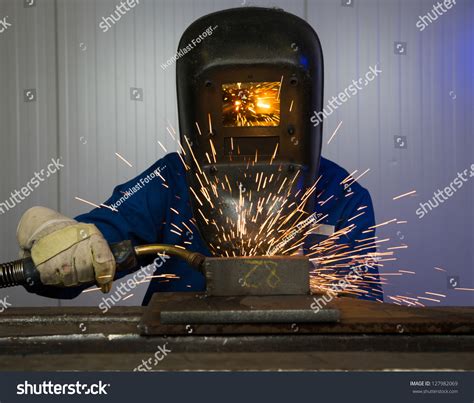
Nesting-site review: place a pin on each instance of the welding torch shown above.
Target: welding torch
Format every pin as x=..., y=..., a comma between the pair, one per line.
x=24, y=271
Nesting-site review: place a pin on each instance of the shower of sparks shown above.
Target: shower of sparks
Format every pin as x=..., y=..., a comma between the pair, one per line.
x=276, y=222
x=335, y=131
x=283, y=225
x=411, y=193
x=124, y=160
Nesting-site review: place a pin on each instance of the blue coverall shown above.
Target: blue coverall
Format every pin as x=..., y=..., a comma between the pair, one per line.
x=145, y=217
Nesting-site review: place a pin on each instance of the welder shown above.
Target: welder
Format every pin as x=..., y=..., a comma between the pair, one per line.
x=245, y=97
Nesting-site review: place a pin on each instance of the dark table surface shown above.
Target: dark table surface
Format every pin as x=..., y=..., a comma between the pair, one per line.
x=369, y=336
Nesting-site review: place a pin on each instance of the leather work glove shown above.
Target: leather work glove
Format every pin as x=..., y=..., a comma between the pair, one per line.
x=66, y=253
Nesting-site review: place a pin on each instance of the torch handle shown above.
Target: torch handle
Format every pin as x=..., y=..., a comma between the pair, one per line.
x=24, y=271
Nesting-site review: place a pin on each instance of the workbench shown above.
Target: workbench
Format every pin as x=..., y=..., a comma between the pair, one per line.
x=369, y=336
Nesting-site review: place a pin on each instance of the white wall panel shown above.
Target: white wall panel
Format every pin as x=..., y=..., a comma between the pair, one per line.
x=412, y=98
x=28, y=130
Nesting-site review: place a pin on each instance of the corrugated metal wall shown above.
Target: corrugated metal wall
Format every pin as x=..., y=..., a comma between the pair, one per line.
x=84, y=112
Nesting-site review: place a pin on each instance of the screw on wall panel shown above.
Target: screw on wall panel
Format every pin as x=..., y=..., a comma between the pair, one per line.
x=400, y=48
x=400, y=141
x=29, y=95
x=136, y=94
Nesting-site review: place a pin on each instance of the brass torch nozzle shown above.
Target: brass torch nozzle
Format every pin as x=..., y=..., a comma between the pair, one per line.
x=195, y=259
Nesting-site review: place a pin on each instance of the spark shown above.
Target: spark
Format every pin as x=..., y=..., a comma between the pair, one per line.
x=349, y=177
x=109, y=207
x=170, y=133
x=199, y=129
x=356, y=216
x=429, y=299
x=88, y=202
x=398, y=247
x=210, y=122
x=335, y=131
x=435, y=294
x=322, y=203
x=279, y=87
x=124, y=160
x=162, y=146
x=383, y=223
x=91, y=289
x=360, y=176
x=171, y=126
x=274, y=153
x=410, y=193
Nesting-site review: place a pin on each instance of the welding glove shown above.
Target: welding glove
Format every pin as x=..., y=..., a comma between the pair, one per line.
x=66, y=253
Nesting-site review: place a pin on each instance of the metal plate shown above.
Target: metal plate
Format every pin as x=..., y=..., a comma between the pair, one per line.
x=249, y=316
x=262, y=275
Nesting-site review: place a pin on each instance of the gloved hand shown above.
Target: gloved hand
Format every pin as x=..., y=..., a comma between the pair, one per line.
x=66, y=253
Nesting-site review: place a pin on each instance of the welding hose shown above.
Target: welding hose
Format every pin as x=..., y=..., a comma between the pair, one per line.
x=24, y=272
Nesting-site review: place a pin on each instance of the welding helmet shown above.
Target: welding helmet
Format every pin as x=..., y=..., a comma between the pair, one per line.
x=248, y=80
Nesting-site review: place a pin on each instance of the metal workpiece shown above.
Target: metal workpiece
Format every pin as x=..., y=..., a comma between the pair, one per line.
x=369, y=336
x=249, y=316
x=355, y=316
x=257, y=275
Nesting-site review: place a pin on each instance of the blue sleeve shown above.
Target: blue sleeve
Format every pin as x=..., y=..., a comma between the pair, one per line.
x=359, y=213
x=136, y=211
x=136, y=208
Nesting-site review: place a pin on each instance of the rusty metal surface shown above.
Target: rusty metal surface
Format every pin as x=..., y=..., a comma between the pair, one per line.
x=261, y=316
x=252, y=352
x=357, y=316
x=245, y=361
x=134, y=343
x=370, y=336
x=262, y=275
x=45, y=321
